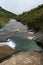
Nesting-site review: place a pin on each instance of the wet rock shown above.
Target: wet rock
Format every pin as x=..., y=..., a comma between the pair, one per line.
x=40, y=41
x=4, y=35
x=25, y=58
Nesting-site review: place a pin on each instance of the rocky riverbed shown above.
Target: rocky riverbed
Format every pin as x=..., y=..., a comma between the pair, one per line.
x=15, y=28
x=37, y=37
x=7, y=54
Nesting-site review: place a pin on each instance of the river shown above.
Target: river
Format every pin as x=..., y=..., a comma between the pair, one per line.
x=16, y=37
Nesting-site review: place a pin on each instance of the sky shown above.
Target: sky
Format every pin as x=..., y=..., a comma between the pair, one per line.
x=20, y=6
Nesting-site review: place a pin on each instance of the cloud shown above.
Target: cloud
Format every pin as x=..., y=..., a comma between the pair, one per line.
x=18, y=6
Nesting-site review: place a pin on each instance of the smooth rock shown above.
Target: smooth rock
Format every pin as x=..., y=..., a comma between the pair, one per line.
x=25, y=58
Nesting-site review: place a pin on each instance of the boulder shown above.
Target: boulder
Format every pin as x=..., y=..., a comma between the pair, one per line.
x=40, y=41
x=6, y=52
x=25, y=58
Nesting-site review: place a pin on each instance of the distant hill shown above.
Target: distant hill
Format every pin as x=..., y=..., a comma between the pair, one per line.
x=6, y=14
x=33, y=18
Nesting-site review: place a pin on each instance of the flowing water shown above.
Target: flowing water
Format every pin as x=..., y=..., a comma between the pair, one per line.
x=21, y=44
x=17, y=40
x=14, y=25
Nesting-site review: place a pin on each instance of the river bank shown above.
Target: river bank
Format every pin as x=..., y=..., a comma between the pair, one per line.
x=3, y=21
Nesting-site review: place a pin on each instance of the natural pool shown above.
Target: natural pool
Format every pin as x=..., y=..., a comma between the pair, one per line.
x=21, y=44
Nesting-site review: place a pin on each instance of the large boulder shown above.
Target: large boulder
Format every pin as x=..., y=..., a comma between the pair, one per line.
x=40, y=41
x=6, y=52
x=25, y=58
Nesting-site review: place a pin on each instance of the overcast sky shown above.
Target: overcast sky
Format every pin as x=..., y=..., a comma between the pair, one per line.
x=19, y=6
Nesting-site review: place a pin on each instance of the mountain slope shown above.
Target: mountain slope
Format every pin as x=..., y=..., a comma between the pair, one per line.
x=6, y=14
x=33, y=18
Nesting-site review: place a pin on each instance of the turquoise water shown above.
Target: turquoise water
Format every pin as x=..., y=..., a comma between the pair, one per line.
x=25, y=45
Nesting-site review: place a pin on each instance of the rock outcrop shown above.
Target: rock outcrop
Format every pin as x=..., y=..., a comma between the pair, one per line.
x=25, y=58
x=6, y=52
x=40, y=41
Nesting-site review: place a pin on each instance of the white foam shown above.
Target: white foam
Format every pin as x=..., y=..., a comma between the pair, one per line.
x=9, y=43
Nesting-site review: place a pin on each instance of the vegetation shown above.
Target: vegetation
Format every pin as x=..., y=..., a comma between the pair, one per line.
x=3, y=21
x=5, y=16
x=33, y=19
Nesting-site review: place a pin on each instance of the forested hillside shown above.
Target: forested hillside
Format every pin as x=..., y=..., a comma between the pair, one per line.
x=33, y=19
x=6, y=14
